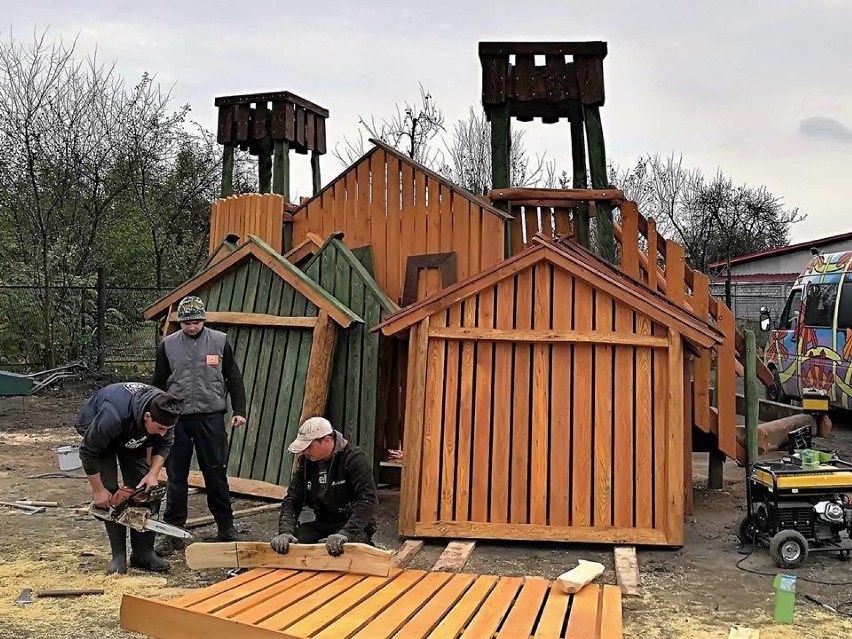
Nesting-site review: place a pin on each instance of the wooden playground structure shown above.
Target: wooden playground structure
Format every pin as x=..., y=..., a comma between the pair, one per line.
x=543, y=358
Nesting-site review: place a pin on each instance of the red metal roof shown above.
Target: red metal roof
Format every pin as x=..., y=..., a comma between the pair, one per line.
x=740, y=259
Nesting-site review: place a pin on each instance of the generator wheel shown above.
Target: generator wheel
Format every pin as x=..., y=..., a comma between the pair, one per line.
x=788, y=549
x=775, y=392
x=745, y=529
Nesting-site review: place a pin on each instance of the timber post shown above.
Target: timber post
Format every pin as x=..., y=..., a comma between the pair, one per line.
x=315, y=172
x=501, y=142
x=752, y=398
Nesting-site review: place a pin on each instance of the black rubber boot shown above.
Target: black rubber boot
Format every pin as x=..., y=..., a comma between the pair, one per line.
x=118, y=544
x=166, y=546
x=142, y=553
x=226, y=531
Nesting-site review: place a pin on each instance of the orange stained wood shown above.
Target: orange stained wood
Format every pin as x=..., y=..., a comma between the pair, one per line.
x=583, y=453
x=540, y=425
x=602, y=424
x=251, y=213
x=502, y=424
x=482, y=412
x=644, y=429
x=452, y=402
x=522, y=376
x=432, y=426
x=562, y=381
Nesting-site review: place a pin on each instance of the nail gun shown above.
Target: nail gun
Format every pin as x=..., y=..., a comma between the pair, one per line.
x=134, y=508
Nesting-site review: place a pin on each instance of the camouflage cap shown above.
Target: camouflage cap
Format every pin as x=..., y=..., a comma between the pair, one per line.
x=190, y=309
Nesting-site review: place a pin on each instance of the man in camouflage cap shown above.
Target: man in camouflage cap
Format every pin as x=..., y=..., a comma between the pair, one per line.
x=196, y=365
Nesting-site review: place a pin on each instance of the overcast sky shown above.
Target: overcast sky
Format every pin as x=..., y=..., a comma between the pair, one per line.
x=760, y=89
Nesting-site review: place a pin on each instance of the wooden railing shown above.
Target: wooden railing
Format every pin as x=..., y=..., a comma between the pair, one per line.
x=660, y=264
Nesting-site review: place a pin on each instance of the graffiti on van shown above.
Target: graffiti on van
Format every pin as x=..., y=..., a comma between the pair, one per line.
x=810, y=347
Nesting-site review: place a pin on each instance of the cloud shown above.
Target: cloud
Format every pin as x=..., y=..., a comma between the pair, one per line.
x=820, y=126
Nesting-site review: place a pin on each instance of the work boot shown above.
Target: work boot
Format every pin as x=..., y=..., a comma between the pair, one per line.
x=166, y=546
x=227, y=531
x=142, y=553
x=118, y=544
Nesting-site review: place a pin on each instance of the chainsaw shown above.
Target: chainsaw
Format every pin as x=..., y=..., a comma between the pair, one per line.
x=132, y=508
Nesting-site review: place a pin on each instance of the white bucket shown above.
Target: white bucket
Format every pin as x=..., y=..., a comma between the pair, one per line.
x=69, y=458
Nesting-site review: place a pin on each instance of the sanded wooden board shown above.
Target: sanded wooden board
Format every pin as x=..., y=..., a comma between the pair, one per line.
x=455, y=556
x=627, y=570
x=406, y=553
x=361, y=559
x=237, y=486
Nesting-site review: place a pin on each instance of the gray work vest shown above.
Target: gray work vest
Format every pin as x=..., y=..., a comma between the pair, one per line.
x=196, y=364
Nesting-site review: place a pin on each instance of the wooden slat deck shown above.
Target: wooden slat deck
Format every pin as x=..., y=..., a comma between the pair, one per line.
x=414, y=604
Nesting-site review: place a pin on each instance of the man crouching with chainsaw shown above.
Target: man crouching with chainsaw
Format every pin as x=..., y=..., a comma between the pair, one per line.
x=118, y=423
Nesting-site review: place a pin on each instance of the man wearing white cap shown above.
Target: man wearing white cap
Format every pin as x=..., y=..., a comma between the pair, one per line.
x=335, y=479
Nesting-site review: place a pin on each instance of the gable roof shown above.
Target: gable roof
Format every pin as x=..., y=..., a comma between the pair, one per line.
x=256, y=248
x=783, y=250
x=306, y=248
x=378, y=145
x=226, y=246
x=581, y=263
x=335, y=242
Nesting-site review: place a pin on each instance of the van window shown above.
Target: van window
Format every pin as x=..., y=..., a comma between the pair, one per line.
x=790, y=316
x=819, y=306
x=844, y=311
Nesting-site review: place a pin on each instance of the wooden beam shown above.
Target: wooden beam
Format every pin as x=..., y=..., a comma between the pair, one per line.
x=227, y=188
x=197, y=522
x=360, y=559
x=406, y=553
x=454, y=557
x=556, y=195
x=236, y=485
x=319, y=367
x=542, y=532
x=418, y=343
x=674, y=442
x=627, y=570
x=518, y=335
x=590, y=48
x=254, y=319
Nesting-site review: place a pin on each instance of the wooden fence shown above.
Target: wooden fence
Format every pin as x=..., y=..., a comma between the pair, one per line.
x=248, y=214
x=403, y=210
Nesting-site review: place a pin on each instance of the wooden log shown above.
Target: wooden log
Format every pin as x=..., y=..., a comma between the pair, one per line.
x=406, y=553
x=454, y=557
x=197, y=522
x=824, y=425
x=360, y=559
x=237, y=486
x=627, y=570
x=598, y=171
x=40, y=504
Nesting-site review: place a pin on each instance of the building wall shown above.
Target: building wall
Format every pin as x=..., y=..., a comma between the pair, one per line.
x=794, y=262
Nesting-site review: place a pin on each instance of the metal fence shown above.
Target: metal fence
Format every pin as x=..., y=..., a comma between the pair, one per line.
x=100, y=325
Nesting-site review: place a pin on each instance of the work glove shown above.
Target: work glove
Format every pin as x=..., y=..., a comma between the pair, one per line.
x=281, y=543
x=334, y=544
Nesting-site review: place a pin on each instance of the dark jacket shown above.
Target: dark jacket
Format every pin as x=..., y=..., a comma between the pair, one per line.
x=201, y=378
x=350, y=497
x=114, y=418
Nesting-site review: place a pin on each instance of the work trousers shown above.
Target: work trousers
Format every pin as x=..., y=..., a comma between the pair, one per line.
x=207, y=435
x=133, y=464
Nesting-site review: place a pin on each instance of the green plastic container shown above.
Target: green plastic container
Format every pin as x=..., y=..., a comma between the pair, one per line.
x=824, y=456
x=810, y=459
x=785, y=597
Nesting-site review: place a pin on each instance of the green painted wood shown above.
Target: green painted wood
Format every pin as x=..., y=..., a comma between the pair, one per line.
x=501, y=170
x=579, y=178
x=600, y=180
x=264, y=165
x=354, y=343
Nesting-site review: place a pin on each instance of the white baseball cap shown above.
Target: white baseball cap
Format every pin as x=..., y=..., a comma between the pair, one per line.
x=312, y=428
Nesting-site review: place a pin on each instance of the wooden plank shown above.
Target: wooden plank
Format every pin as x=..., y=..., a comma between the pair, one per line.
x=235, y=599
x=362, y=559
x=623, y=481
x=493, y=609
x=309, y=603
x=325, y=615
x=502, y=406
x=703, y=365
x=281, y=597
x=391, y=276
x=406, y=553
x=610, y=614
x=150, y=617
x=254, y=319
x=461, y=232
x=450, y=421
x=652, y=254
x=430, y=475
x=553, y=615
x=396, y=616
x=465, y=429
x=524, y=611
x=563, y=196
x=643, y=431
x=627, y=570
x=581, y=445
x=360, y=233
x=555, y=336
x=378, y=217
x=674, y=442
x=455, y=556
x=237, y=486
x=482, y=419
x=356, y=618
x=463, y=611
x=726, y=383
x=659, y=375
x=230, y=583
x=542, y=532
x=604, y=392
x=427, y=618
x=415, y=405
x=630, y=239
x=319, y=367
x=204, y=520
x=522, y=377
x=583, y=621
x=540, y=430
x=560, y=409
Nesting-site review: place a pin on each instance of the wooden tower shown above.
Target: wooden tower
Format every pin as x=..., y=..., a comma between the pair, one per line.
x=569, y=85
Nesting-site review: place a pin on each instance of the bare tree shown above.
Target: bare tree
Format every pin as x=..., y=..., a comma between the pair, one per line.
x=411, y=130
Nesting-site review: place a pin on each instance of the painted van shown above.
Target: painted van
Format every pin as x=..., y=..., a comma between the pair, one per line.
x=810, y=346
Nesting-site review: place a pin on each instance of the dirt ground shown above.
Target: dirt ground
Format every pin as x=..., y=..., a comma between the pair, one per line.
x=695, y=591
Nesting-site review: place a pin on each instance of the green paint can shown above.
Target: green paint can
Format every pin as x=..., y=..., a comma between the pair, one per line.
x=785, y=598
